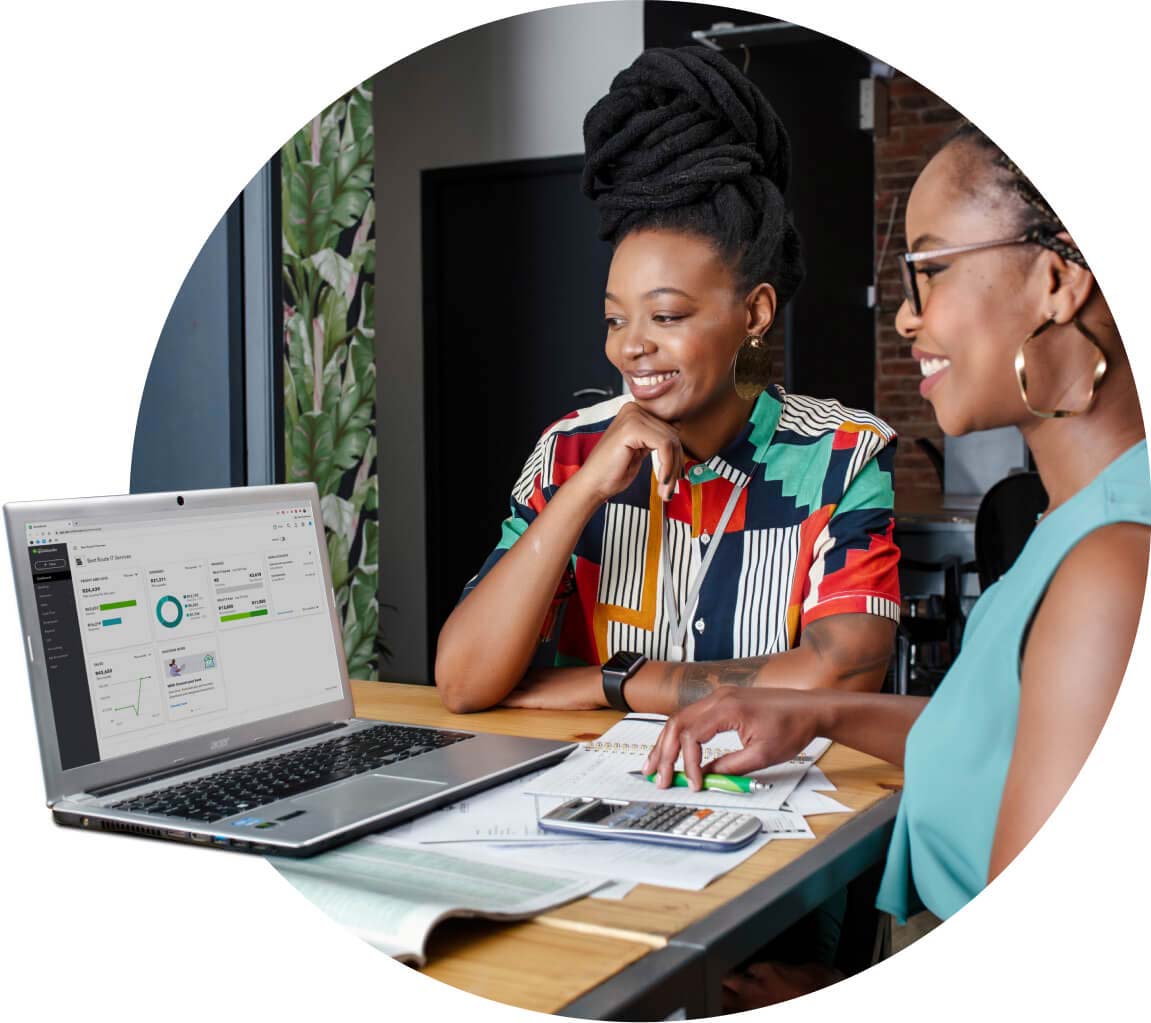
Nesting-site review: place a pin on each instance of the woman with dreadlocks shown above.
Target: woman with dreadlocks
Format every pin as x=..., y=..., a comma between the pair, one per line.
x=1011, y=329
x=706, y=528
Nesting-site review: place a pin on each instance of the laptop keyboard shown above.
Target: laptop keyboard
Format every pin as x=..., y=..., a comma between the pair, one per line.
x=216, y=796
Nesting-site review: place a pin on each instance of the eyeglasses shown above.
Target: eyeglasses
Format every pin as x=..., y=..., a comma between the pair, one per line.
x=908, y=273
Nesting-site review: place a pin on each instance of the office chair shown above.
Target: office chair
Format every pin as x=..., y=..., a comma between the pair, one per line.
x=942, y=623
x=1007, y=515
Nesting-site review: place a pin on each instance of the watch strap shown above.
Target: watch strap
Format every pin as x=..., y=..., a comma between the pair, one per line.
x=613, y=683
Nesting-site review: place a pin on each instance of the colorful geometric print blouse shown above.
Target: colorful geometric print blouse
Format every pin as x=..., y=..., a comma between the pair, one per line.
x=810, y=535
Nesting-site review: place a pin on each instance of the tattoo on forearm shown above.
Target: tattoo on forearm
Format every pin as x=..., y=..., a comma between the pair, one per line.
x=695, y=681
x=693, y=684
x=836, y=641
x=865, y=667
x=853, y=645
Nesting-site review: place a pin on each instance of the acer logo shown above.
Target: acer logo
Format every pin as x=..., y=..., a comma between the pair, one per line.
x=220, y=743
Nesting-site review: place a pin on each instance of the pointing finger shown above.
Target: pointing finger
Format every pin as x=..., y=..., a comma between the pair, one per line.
x=692, y=755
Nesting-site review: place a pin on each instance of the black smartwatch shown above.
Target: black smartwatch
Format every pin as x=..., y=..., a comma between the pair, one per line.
x=616, y=672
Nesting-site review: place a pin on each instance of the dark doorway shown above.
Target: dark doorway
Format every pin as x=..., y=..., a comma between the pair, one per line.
x=813, y=83
x=514, y=276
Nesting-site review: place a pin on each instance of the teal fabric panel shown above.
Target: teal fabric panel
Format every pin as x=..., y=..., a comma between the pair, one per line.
x=959, y=750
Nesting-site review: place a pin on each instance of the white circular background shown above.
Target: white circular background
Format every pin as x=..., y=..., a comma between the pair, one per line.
x=128, y=129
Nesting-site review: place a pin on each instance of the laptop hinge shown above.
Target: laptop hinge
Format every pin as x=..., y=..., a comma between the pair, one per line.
x=196, y=765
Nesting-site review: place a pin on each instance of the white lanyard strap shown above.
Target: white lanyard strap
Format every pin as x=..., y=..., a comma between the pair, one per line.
x=679, y=625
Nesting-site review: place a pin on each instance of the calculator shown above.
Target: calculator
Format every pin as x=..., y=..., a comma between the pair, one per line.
x=690, y=827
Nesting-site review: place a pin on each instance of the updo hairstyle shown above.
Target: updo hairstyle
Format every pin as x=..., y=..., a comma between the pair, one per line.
x=684, y=141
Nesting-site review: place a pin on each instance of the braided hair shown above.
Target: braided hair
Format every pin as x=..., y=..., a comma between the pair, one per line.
x=684, y=141
x=1036, y=219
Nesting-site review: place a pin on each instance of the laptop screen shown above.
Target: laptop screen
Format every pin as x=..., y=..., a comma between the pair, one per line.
x=165, y=629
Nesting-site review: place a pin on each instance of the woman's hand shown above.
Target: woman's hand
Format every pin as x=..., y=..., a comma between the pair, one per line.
x=773, y=725
x=616, y=459
x=559, y=689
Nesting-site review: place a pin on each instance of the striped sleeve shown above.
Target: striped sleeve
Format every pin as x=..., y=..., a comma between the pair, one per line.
x=855, y=565
x=528, y=498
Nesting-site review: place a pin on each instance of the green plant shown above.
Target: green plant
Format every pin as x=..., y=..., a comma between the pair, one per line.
x=328, y=213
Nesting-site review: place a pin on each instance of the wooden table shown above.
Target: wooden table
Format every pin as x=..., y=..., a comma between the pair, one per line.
x=657, y=949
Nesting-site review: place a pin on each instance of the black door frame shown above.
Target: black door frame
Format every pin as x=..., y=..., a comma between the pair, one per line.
x=431, y=183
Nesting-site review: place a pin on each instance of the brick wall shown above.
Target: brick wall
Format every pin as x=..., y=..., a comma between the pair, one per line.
x=918, y=122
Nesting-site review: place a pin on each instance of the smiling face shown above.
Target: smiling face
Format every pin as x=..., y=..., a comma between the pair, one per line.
x=977, y=307
x=675, y=321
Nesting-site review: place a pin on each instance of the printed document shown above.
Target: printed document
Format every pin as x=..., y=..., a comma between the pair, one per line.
x=613, y=859
x=392, y=895
x=601, y=769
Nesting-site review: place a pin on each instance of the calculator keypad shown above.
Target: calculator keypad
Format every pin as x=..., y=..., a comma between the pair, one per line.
x=676, y=824
x=689, y=821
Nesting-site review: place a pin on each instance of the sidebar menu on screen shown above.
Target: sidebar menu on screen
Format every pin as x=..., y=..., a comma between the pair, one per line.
x=63, y=655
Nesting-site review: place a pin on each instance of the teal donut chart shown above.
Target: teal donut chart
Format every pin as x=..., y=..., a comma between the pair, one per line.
x=160, y=612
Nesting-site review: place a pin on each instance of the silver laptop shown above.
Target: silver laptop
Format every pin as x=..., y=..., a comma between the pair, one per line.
x=189, y=682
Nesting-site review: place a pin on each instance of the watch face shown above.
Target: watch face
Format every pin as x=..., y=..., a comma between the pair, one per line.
x=622, y=662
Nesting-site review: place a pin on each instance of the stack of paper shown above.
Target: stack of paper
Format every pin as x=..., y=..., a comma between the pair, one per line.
x=486, y=855
x=501, y=825
x=602, y=769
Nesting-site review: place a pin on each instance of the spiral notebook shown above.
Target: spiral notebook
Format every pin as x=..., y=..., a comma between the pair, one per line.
x=601, y=769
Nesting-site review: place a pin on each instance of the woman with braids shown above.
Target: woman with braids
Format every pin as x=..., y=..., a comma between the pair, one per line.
x=705, y=528
x=1011, y=329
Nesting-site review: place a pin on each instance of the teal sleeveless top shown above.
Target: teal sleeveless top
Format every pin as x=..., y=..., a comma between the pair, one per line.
x=958, y=752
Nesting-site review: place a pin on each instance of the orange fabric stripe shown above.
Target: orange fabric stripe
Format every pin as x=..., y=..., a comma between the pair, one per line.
x=792, y=625
x=808, y=533
x=644, y=618
x=696, y=510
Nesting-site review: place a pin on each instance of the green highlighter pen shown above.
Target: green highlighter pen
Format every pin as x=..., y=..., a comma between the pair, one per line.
x=714, y=782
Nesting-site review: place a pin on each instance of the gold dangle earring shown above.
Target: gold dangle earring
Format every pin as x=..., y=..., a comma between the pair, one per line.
x=1096, y=377
x=752, y=369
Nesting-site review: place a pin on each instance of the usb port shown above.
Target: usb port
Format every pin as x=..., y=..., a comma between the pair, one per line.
x=176, y=834
x=205, y=839
x=237, y=844
x=217, y=840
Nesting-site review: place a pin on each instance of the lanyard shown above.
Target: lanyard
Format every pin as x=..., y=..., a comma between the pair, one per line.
x=679, y=625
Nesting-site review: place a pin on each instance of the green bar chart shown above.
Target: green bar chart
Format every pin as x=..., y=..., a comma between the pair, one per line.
x=258, y=613
x=117, y=605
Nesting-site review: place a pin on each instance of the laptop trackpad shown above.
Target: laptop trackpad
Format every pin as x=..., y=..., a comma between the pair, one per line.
x=364, y=797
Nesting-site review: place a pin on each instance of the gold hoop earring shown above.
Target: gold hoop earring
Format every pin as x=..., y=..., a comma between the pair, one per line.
x=1096, y=377
x=751, y=372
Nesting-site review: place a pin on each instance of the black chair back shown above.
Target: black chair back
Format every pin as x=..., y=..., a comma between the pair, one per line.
x=1007, y=515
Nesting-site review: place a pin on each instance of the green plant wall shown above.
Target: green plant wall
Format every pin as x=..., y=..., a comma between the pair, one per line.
x=328, y=214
